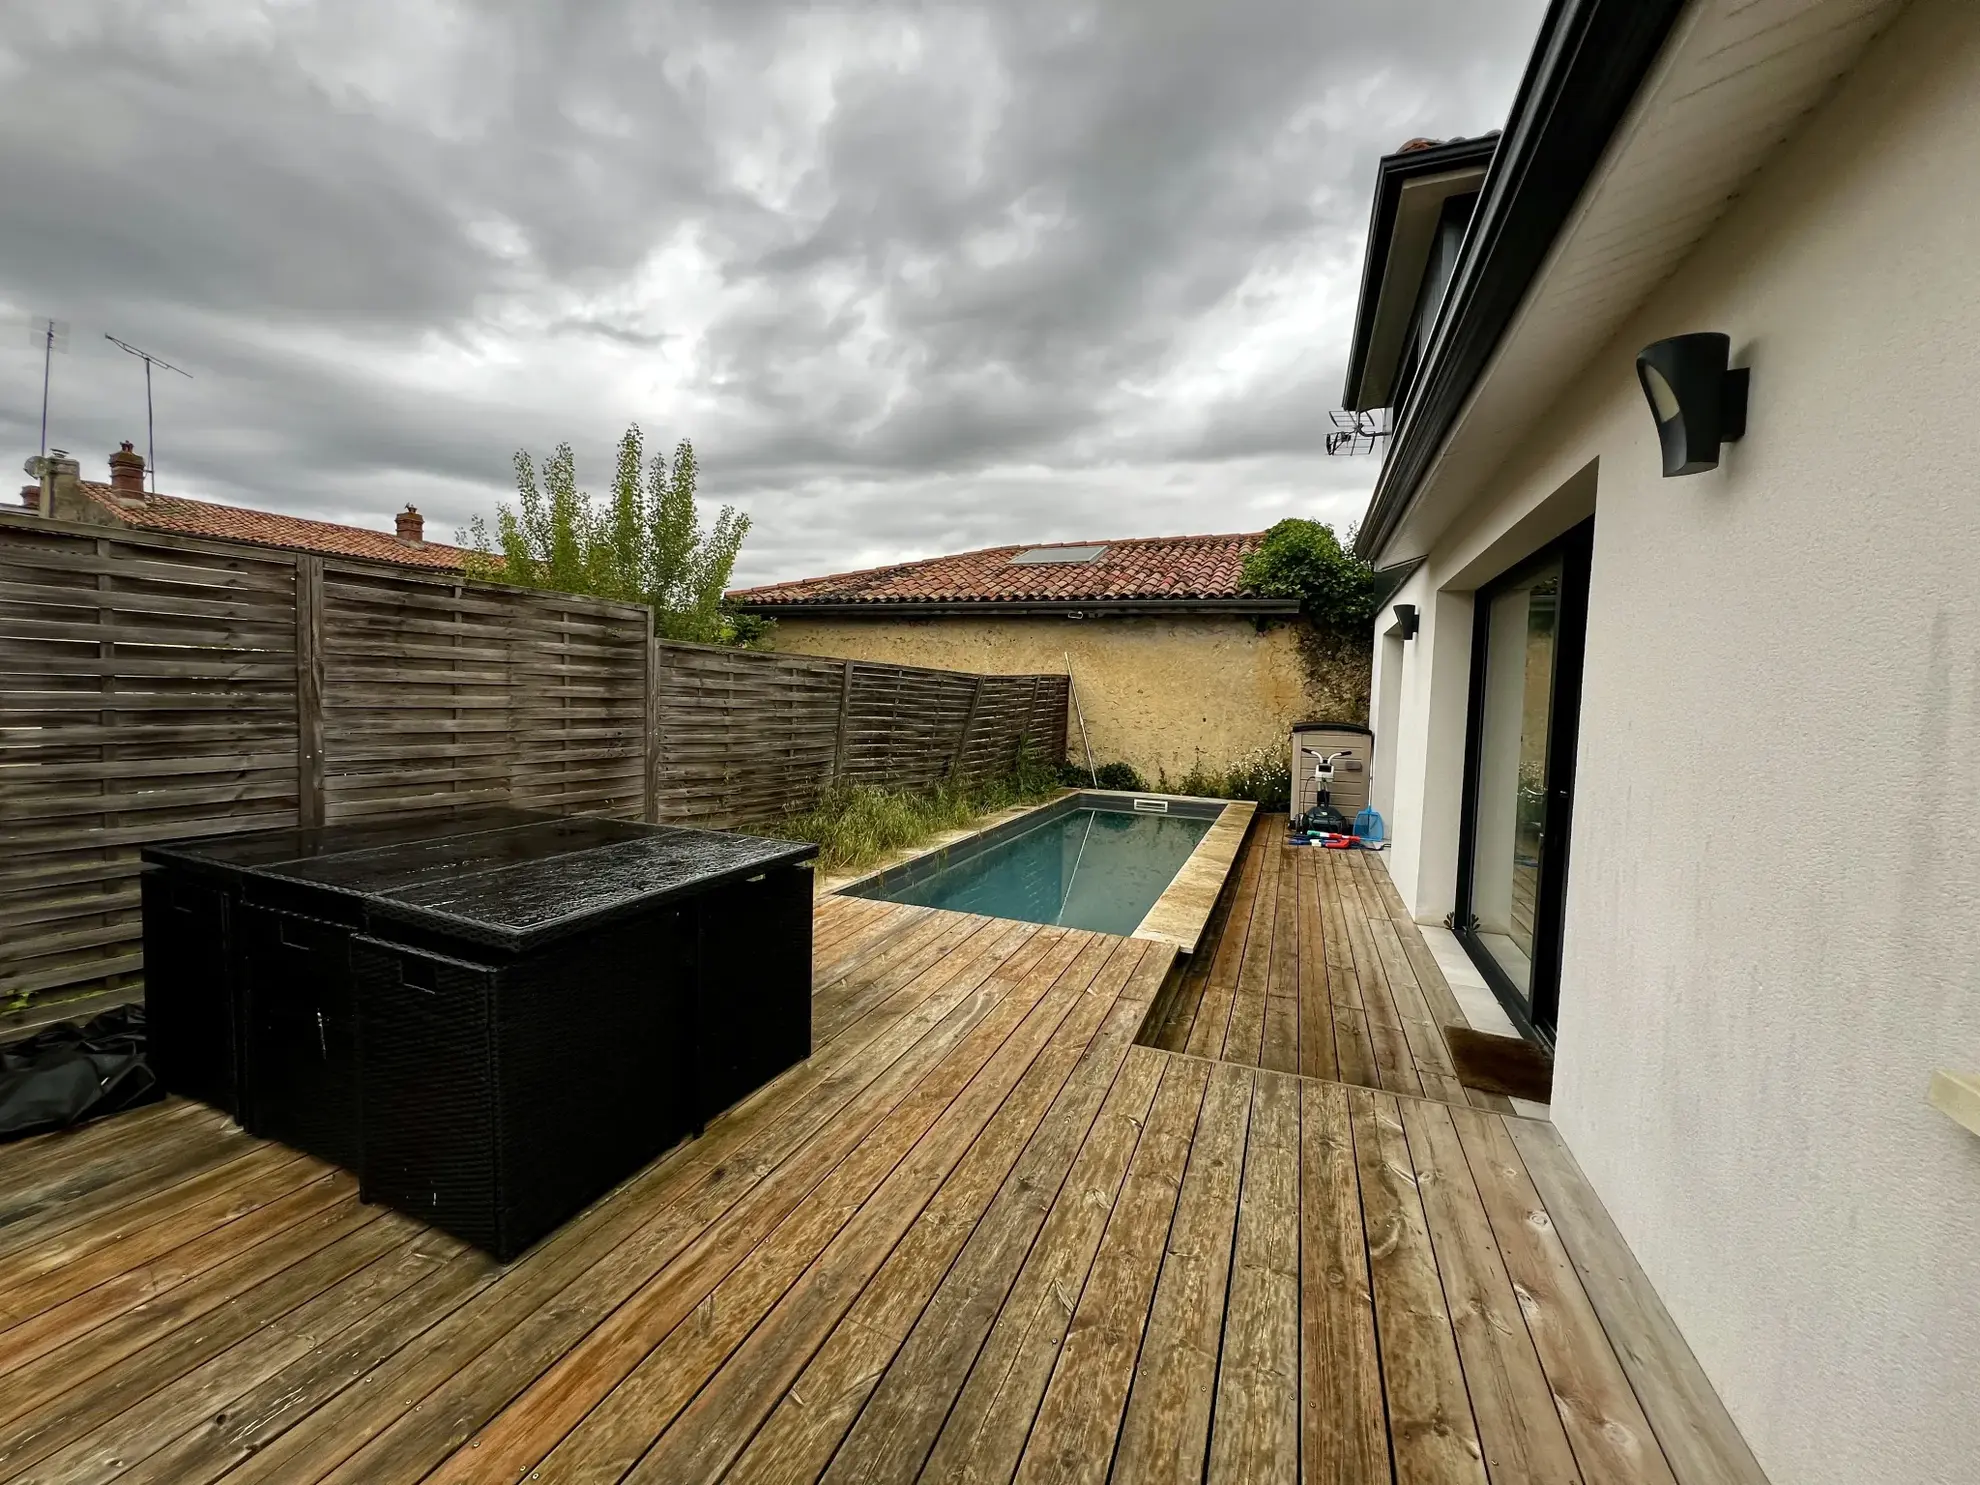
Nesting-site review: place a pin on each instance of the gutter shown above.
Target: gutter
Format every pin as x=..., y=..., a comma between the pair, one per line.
x=1067, y=608
x=1587, y=66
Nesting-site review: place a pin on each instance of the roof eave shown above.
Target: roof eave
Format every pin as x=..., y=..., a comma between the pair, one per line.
x=1588, y=64
x=1085, y=608
x=1392, y=173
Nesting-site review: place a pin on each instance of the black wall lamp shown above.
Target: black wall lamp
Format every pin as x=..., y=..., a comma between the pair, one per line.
x=1406, y=619
x=1698, y=401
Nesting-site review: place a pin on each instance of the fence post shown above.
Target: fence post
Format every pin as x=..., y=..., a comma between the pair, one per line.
x=650, y=810
x=309, y=691
x=845, y=722
x=968, y=726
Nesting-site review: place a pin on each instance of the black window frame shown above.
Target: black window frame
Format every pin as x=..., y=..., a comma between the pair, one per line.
x=1538, y=1019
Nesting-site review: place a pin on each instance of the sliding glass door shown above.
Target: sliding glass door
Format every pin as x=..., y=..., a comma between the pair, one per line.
x=1519, y=776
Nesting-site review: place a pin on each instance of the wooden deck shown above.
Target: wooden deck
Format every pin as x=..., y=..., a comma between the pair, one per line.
x=982, y=1235
x=1311, y=965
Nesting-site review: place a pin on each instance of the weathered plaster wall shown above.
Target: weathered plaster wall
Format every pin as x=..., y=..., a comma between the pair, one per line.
x=1772, y=936
x=1158, y=692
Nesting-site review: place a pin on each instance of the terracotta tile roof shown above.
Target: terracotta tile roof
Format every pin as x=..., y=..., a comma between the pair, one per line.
x=269, y=529
x=1161, y=567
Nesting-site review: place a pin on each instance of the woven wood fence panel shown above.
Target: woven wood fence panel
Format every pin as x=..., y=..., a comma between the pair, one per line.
x=438, y=697
x=153, y=688
x=145, y=693
x=743, y=737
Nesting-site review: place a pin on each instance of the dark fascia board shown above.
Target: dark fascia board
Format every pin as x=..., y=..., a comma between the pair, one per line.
x=1391, y=173
x=1082, y=608
x=1586, y=68
x=1389, y=581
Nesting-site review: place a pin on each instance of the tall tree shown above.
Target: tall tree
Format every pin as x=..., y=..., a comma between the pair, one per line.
x=643, y=543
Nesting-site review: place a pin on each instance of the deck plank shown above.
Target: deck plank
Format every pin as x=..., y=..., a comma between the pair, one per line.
x=1211, y=1026
x=1070, y=1441
x=1244, y=1035
x=1280, y=1052
x=1319, y=1055
x=118, y=1294
x=1256, y=1439
x=984, y=1433
x=1432, y=1432
x=1344, y=1432
x=1611, y=1437
x=50, y=1276
x=74, y=1242
x=1698, y=1437
x=1166, y=1432
x=141, y=1431
x=223, y=1440
x=1518, y=1425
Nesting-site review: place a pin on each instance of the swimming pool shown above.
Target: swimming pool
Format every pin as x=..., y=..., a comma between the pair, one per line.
x=1090, y=862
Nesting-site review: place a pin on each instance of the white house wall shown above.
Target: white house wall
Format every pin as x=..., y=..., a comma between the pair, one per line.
x=1773, y=924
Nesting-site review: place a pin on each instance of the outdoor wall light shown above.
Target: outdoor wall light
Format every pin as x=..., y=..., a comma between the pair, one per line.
x=1698, y=402
x=1406, y=619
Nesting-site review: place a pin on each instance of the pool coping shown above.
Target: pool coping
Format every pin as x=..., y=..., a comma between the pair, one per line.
x=1177, y=917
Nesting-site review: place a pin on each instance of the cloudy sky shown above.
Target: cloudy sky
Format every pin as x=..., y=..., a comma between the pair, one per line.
x=914, y=277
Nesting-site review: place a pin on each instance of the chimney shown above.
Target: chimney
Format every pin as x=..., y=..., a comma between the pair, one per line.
x=410, y=526
x=127, y=475
x=59, y=495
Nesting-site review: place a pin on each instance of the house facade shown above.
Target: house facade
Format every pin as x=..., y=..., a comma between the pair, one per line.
x=1691, y=763
x=1174, y=665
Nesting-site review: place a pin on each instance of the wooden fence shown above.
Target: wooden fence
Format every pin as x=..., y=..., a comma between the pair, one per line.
x=743, y=737
x=154, y=687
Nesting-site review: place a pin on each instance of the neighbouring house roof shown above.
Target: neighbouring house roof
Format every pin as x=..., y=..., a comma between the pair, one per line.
x=1174, y=574
x=183, y=517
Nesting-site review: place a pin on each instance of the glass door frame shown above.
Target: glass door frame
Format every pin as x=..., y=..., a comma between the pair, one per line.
x=1537, y=1020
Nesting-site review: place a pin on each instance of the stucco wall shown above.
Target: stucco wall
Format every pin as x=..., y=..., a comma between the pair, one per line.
x=1773, y=926
x=1157, y=692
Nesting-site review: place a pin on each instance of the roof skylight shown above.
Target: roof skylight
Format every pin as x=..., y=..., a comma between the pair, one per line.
x=1033, y=556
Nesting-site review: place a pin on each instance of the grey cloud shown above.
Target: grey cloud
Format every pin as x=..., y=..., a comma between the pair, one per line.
x=912, y=277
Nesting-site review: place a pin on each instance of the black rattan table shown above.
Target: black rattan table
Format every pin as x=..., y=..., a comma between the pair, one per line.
x=490, y=1019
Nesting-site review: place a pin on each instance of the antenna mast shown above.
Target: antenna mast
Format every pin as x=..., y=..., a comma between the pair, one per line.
x=150, y=438
x=51, y=336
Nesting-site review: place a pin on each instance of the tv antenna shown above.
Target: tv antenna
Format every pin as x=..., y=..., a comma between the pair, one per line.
x=150, y=437
x=51, y=336
x=1356, y=432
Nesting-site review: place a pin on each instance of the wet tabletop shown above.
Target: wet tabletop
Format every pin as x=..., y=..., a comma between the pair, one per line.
x=255, y=848
x=504, y=877
x=520, y=905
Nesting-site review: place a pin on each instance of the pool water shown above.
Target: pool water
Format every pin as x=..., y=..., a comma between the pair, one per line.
x=1086, y=868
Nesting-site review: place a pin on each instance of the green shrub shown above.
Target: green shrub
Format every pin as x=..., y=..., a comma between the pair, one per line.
x=1263, y=774
x=1119, y=776
x=1106, y=776
x=1304, y=560
x=856, y=825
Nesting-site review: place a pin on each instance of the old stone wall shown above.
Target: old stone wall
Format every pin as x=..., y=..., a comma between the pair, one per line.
x=1161, y=693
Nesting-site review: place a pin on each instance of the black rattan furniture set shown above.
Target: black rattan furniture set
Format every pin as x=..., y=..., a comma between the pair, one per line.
x=490, y=1019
